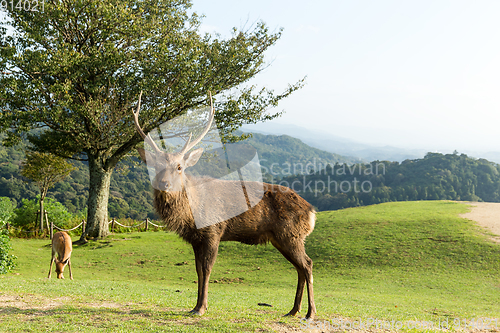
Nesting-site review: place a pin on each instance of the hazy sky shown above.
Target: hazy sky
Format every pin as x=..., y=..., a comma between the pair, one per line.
x=421, y=74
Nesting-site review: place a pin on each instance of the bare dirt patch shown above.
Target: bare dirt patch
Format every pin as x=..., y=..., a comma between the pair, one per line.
x=487, y=215
x=28, y=301
x=37, y=302
x=284, y=328
x=109, y=305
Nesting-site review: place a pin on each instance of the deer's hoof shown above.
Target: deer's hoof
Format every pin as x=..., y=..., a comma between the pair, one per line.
x=195, y=312
x=310, y=315
x=291, y=313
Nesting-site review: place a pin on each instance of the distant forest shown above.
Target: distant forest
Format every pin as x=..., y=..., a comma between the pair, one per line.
x=435, y=177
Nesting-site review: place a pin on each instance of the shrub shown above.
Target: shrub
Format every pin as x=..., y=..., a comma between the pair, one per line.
x=6, y=213
x=26, y=217
x=6, y=260
x=6, y=210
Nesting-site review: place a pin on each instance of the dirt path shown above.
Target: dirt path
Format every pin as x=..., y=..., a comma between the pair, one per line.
x=487, y=215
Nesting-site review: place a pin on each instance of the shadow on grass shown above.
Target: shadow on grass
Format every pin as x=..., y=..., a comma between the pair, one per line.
x=88, y=319
x=95, y=245
x=71, y=310
x=76, y=313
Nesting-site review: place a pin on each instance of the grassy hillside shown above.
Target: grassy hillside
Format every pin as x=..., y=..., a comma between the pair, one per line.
x=395, y=261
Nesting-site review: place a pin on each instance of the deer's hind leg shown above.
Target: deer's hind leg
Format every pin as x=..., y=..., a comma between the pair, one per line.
x=295, y=253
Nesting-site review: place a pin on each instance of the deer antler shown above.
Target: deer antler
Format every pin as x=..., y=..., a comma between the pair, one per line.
x=188, y=145
x=146, y=138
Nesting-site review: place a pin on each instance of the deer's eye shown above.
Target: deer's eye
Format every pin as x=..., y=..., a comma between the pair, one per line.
x=179, y=168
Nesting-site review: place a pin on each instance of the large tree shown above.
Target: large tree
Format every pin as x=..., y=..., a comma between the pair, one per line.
x=76, y=69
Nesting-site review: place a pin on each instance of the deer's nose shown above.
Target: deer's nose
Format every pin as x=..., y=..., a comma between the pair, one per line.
x=164, y=185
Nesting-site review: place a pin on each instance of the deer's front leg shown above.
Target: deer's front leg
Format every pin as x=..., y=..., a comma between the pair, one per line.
x=197, y=258
x=205, y=255
x=50, y=269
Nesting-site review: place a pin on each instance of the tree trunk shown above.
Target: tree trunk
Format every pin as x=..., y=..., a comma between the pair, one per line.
x=97, y=210
x=41, y=214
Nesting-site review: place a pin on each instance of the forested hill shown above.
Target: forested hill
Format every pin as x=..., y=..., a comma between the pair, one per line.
x=278, y=152
x=435, y=177
x=131, y=192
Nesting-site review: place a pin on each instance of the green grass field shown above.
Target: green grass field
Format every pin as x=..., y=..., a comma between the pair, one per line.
x=406, y=261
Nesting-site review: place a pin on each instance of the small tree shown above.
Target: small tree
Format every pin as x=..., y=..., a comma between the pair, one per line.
x=46, y=170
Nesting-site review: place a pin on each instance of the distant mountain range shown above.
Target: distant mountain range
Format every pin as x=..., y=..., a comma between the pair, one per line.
x=350, y=148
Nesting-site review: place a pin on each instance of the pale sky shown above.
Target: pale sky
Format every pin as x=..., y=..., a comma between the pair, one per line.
x=420, y=74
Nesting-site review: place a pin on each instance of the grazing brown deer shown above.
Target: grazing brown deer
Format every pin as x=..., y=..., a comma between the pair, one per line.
x=281, y=217
x=61, y=254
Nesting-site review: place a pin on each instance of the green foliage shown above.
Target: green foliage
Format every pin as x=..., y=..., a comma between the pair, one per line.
x=435, y=177
x=6, y=210
x=7, y=261
x=6, y=214
x=26, y=214
x=45, y=170
x=132, y=187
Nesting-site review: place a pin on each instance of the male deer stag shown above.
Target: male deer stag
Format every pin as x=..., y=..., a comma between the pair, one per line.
x=281, y=217
x=61, y=254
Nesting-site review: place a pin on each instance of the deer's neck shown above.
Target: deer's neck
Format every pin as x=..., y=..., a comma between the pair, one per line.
x=174, y=209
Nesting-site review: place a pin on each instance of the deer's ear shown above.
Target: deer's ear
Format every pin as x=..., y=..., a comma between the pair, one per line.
x=145, y=155
x=193, y=157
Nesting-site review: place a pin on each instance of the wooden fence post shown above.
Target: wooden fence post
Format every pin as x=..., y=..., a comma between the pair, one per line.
x=82, y=236
x=37, y=219
x=147, y=224
x=47, y=220
x=113, y=225
x=51, y=229
x=41, y=222
x=7, y=225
